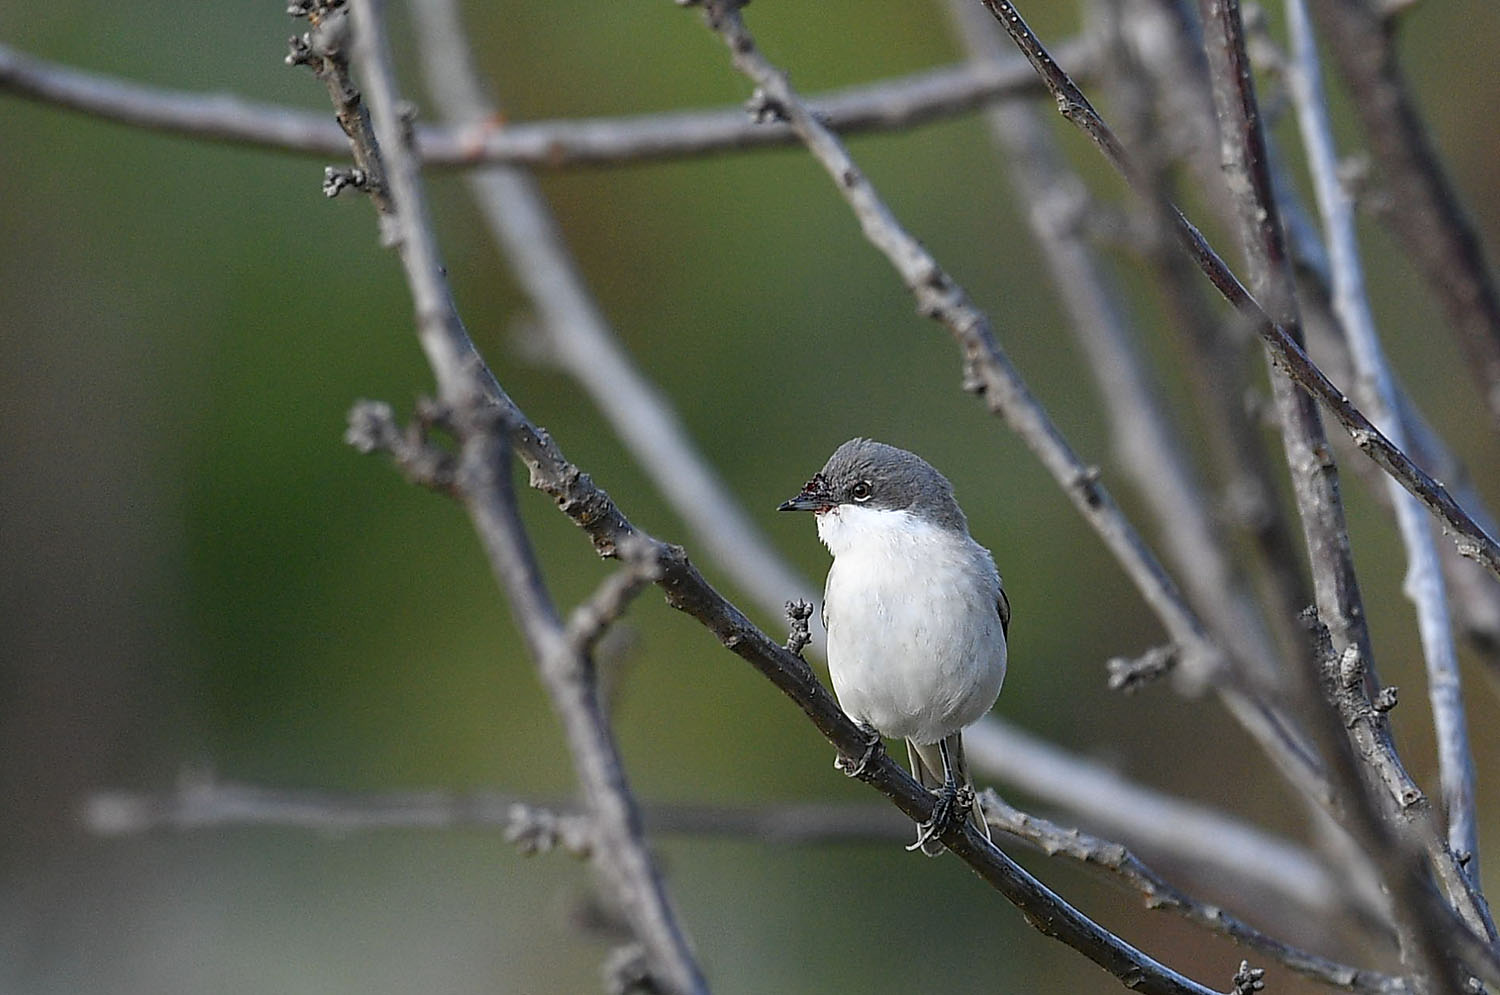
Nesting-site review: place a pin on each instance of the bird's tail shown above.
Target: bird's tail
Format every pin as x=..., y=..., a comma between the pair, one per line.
x=927, y=768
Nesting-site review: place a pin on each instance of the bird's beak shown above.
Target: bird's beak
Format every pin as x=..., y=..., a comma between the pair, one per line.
x=814, y=496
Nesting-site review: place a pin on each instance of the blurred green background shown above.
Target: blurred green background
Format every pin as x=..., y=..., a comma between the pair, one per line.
x=198, y=574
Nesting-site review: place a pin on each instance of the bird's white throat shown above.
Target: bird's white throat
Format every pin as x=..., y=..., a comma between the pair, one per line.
x=850, y=527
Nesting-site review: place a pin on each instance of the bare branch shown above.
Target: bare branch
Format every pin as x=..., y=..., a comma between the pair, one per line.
x=483, y=481
x=620, y=850
x=1286, y=354
x=1348, y=689
x=1423, y=208
x=1473, y=590
x=1476, y=594
x=799, y=613
x=1148, y=450
x=887, y=105
x=1159, y=79
x=322, y=49
x=199, y=803
x=1315, y=483
x=591, y=619
x=1404, y=874
x=1206, y=845
x=373, y=429
x=536, y=830
x=1315, y=479
x=1424, y=579
x=1128, y=870
x=1214, y=847
x=202, y=803
x=1131, y=674
x=1248, y=980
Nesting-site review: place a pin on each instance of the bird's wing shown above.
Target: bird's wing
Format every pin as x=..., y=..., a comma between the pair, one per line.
x=1002, y=604
x=824, y=613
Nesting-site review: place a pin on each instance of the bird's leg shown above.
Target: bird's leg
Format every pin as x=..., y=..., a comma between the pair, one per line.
x=855, y=767
x=963, y=794
x=953, y=800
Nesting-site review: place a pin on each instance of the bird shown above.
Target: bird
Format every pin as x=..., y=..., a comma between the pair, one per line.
x=915, y=611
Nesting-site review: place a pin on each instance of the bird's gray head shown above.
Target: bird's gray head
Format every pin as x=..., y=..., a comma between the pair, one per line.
x=874, y=475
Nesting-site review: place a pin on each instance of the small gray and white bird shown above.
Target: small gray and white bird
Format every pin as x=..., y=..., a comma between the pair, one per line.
x=915, y=613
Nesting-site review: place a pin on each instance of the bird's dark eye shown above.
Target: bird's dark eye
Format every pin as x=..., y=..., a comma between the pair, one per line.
x=860, y=491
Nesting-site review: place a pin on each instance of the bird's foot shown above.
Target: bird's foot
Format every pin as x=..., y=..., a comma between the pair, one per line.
x=856, y=766
x=952, y=806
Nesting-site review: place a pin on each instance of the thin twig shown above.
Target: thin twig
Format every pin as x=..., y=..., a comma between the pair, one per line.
x=1440, y=240
x=1424, y=579
x=591, y=619
x=1130, y=674
x=1470, y=538
x=322, y=49
x=1130, y=871
x=532, y=830
x=373, y=429
x=200, y=802
x=799, y=613
x=892, y=104
x=1207, y=845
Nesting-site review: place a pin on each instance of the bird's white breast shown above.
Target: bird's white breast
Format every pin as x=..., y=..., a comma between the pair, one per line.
x=915, y=644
